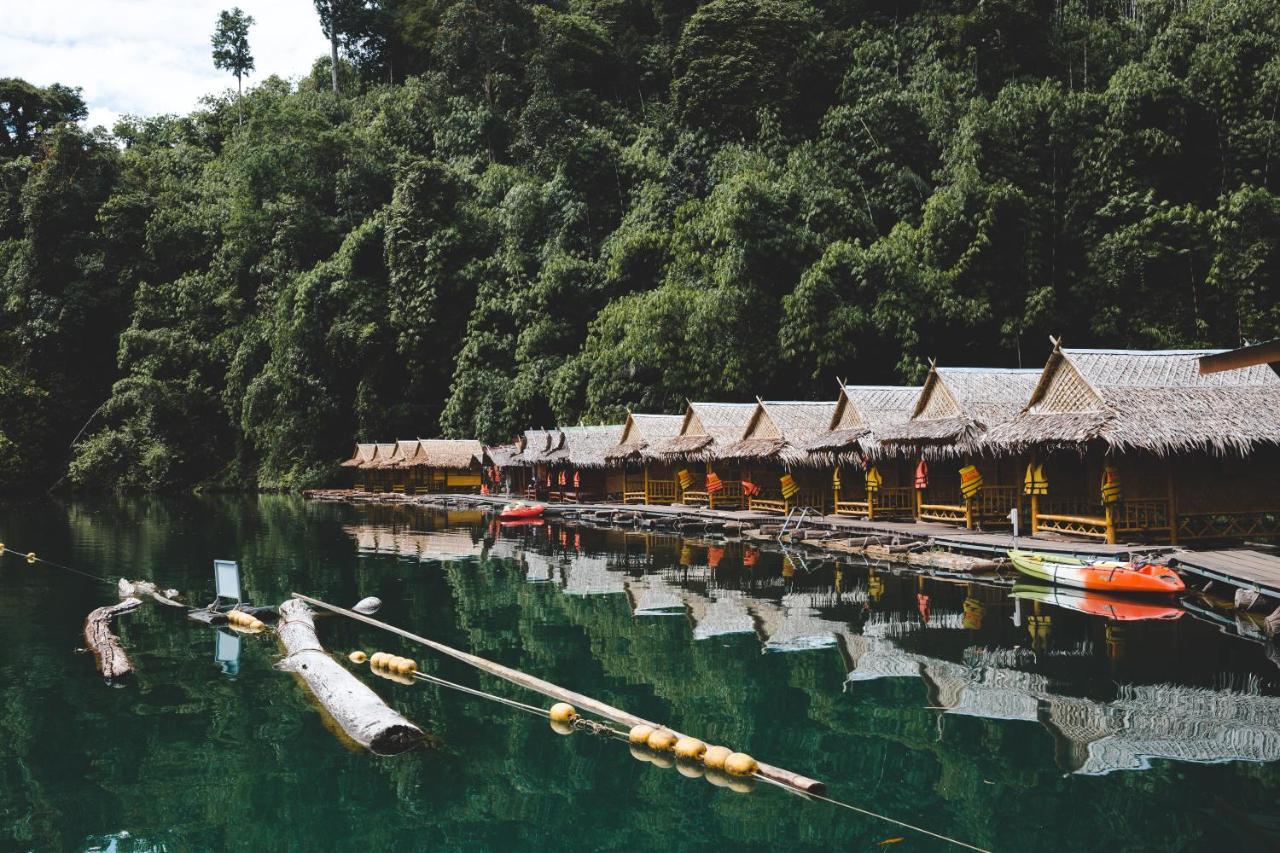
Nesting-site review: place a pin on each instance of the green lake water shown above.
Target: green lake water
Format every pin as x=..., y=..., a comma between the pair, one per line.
x=1010, y=724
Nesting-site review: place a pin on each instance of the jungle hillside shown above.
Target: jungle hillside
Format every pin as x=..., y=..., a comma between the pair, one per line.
x=476, y=216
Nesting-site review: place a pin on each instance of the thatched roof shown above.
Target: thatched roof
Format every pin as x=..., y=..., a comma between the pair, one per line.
x=642, y=435
x=362, y=456
x=536, y=444
x=503, y=455
x=385, y=456
x=958, y=405
x=861, y=413
x=1157, y=401
x=779, y=430
x=707, y=428
x=441, y=453
x=589, y=446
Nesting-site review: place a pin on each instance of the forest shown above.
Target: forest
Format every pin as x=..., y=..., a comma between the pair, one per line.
x=488, y=215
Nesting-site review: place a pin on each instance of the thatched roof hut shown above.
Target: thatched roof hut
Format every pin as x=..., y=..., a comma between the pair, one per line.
x=588, y=446
x=441, y=453
x=707, y=428
x=780, y=430
x=862, y=413
x=362, y=456
x=385, y=456
x=536, y=444
x=956, y=408
x=1156, y=401
x=502, y=455
x=643, y=435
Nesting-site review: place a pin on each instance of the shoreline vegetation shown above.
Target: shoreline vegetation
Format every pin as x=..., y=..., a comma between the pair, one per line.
x=514, y=214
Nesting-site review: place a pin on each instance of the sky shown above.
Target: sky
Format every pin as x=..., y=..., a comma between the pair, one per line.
x=144, y=57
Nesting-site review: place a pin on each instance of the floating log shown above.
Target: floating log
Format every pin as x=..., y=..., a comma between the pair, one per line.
x=112, y=661
x=1247, y=599
x=546, y=688
x=359, y=711
x=132, y=589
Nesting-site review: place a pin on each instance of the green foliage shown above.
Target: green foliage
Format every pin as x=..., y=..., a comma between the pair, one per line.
x=231, y=43
x=519, y=214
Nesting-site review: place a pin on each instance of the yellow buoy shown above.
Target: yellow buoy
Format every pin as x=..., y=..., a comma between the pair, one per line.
x=31, y=557
x=562, y=712
x=413, y=664
x=692, y=769
x=357, y=657
x=715, y=755
x=661, y=740
x=404, y=666
x=690, y=747
x=561, y=727
x=1, y=547
x=740, y=764
x=255, y=624
x=639, y=735
x=378, y=659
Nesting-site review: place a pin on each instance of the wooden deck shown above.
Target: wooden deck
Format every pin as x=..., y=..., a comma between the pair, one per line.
x=1241, y=567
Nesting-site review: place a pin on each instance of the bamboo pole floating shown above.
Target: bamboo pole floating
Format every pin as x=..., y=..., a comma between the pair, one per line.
x=546, y=688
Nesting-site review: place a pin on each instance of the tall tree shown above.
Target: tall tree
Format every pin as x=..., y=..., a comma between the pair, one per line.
x=345, y=23
x=231, y=45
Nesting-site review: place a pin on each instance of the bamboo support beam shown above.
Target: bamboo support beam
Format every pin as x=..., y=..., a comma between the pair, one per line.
x=546, y=688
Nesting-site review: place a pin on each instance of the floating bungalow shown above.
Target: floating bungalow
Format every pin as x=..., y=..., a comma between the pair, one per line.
x=580, y=469
x=957, y=479
x=706, y=430
x=865, y=482
x=418, y=466
x=1125, y=444
x=535, y=445
x=647, y=477
x=774, y=469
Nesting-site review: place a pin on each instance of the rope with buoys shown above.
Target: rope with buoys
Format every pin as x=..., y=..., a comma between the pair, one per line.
x=32, y=558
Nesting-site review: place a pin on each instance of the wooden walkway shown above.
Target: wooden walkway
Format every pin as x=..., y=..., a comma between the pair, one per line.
x=1241, y=567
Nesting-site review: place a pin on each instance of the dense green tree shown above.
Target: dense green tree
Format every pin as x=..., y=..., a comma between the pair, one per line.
x=231, y=44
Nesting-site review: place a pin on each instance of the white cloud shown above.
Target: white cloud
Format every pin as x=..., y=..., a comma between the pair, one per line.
x=146, y=57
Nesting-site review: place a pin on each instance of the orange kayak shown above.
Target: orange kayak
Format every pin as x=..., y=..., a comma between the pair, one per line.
x=1097, y=575
x=521, y=512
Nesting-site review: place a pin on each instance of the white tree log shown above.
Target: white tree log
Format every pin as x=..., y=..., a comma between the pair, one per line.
x=106, y=648
x=357, y=710
x=166, y=597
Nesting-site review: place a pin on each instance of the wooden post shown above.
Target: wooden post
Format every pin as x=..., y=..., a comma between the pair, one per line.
x=1035, y=513
x=968, y=513
x=1110, y=510
x=1173, y=504
x=646, y=484
x=919, y=502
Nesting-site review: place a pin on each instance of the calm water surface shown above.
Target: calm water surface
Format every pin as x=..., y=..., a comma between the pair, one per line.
x=1012, y=723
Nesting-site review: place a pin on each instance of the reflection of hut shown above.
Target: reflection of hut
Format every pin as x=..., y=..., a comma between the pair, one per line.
x=653, y=595
x=647, y=477
x=725, y=612
x=1186, y=455
x=773, y=459
x=795, y=624
x=580, y=466
x=591, y=576
x=707, y=429
x=866, y=483
x=957, y=480
x=438, y=545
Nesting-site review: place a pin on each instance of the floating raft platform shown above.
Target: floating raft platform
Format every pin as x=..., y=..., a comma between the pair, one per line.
x=1243, y=568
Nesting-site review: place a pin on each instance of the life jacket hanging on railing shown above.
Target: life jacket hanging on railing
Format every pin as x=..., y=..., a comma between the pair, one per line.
x=1110, y=484
x=714, y=483
x=835, y=479
x=1035, y=482
x=685, y=478
x=970, y=482
x=577, y=480
x=750, y=489
x=790, y=488
x=563, y=480
x=873, y=480
x=922, y=475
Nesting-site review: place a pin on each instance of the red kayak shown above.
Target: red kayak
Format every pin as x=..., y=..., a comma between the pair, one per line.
x=521, y=512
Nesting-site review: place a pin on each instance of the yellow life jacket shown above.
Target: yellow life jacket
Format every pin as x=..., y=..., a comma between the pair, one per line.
x=1035, y=482
x=835, y=479
x=1110, y=484
x=789, y=486
x=873, y=480
x=686, y=479
x=970, y=482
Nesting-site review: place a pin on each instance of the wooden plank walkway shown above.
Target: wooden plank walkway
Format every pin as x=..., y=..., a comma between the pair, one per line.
x=1241, y=567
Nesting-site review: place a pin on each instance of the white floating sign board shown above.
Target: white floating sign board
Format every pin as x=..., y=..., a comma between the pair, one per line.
x=226, y=579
